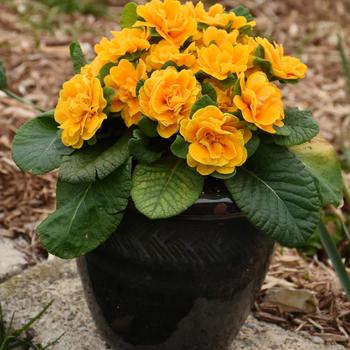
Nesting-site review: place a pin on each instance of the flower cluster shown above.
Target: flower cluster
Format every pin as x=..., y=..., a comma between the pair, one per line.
x=197, y=74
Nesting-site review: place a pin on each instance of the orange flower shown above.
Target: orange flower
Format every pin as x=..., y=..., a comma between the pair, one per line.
x=260, y=102
x=80, y=109
x=216, y=141
x=219, y=36
x=167, y=97
x=224, y=98
x=128, y=40
x=284, y=67
x=165, y=51
x=123, y=79
x=216, y=16
x=169, y=18
x=220, y=61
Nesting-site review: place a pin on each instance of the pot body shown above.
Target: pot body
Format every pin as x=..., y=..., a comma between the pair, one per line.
x=186, y=282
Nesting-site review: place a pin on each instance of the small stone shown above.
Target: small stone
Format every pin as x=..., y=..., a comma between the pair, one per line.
x=317, y=340
x=12, y=261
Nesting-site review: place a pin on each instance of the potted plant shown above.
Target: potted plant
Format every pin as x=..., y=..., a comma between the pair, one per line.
x=179, y=167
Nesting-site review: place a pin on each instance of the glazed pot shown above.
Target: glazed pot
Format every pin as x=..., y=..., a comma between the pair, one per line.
x=186, y=282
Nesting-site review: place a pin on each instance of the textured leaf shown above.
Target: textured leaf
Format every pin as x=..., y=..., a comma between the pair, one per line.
x=77, y=56
x=94, y=162
x=252, y=145
x=165, y=188
x=141, y=149
x=179, y=147
x=229, y=81
x=86, y=215
x=37, y=146
x=129, y=15
x=204, y=101
x=208, y=89
x=301, y=126
x=321, y=160
x=104, y=71
x=3, y=81
x=277, y=194
x=139, y=85
x=243, y=11
x=148, y=126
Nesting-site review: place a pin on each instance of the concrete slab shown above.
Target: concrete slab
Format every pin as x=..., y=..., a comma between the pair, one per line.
x=58, y=280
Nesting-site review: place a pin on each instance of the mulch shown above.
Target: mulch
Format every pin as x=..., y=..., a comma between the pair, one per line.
x=38, y=63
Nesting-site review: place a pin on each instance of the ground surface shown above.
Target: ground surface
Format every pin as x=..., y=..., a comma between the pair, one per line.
x=34, y=48
x=57, y=280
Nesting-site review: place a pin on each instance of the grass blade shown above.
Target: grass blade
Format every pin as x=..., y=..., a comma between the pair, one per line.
x=344, y=59
x=335, y=258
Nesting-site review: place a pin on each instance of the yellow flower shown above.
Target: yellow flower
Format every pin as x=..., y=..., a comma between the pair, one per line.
x=260, y=102
x=284, y=67
x=93, y=68
x=219, y=36
x=220, y=61
x=216, y=16
x=167, y=97
x=165, y=51
x=80, y=109
x=224, y=97
x=212, y=17
x=170, y=19
x=123, y=79
x=216, y=140
x=128, y=40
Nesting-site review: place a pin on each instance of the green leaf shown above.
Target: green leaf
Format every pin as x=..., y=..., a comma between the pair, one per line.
x=37, y=146
x=139, y=85
x=179, y=147
x=148, y=126
x=208, y=89
x=252, y=145
x=301, y=125
x=93, y=163
x=129, y=15
x=204, y=101
x=87, y=214
x=246, y=30
x=165, y=188
x=277, y=194
x=141, y=148
x=223, y=176
x=77, y=56
x=243, y=11
x=228, y=82
x=3, y=81
x=321, y=160
x=283, y=131
x=169, y=64
x=104, y=71
x=265, y=66
x=260, y=52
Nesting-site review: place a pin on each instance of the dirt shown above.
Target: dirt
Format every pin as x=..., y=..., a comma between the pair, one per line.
x=34, y=49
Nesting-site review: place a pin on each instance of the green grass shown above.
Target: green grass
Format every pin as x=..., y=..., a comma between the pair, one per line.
x=12, y=338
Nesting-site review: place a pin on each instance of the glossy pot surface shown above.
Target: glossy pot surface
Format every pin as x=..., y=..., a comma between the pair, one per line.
x=186, y=282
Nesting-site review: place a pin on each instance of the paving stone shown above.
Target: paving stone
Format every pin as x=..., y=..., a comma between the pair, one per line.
x=58, y=280
x=12, y=261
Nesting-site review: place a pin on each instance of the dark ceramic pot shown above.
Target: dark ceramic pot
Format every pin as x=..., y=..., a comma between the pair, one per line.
x=183, y=283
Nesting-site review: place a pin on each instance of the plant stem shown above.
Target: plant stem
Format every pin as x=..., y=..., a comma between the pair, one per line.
x=344, y=59
x=22, y=100
x=346, y=191
x=335, y=258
